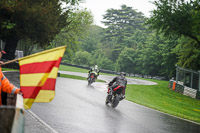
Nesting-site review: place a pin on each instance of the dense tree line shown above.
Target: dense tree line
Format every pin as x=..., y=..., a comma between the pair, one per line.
x=37, y=22
x=151, y=46
x=130, y=42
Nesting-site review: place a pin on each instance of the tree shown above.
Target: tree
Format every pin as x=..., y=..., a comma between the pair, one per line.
x=105, y=63
x=127, y=61
x=80, y=22
x=188, y=53
x=90, y=43
x=176, y=18
x=156, y=56
x=122, y=23
x=123, y=26
x=38, y=21
x=82, y=58
x=28, y=47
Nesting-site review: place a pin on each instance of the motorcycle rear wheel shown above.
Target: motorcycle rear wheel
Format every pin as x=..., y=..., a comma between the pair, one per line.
x=90, y=81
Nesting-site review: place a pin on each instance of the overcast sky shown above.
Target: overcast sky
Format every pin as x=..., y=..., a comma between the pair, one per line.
x=98, y=7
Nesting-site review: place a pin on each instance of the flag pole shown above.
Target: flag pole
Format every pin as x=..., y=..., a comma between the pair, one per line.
x=8, y=62
x=39, y=53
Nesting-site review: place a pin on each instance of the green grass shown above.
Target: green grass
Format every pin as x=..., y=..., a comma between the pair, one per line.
x=8, y=69
x=75, y=69
x=161, y=98
x=72, y=69
x=77, y=77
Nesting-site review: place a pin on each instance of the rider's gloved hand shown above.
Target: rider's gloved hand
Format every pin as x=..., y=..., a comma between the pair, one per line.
x=20, y=93
x=109, y=84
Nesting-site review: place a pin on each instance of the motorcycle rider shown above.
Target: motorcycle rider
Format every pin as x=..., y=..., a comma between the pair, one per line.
x=94, y=70
x=118, y=81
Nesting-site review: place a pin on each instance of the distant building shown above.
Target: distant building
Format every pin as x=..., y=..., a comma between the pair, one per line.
x=19, y=54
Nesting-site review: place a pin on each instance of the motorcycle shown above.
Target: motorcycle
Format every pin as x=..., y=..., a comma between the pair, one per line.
x=114, y=96
x=91, y=78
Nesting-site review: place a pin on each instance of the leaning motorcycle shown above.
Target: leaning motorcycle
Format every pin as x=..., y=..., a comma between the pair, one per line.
x=114, y=96
x=91, y=78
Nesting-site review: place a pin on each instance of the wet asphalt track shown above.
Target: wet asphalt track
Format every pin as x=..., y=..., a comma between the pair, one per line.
x=108, y=78
x=78, y=108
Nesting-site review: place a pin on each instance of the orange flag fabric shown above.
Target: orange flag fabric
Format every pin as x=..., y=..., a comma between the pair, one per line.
x=38, y=73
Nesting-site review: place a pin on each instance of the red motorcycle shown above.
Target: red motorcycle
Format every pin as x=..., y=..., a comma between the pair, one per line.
x=91, y=78
x=115, y=95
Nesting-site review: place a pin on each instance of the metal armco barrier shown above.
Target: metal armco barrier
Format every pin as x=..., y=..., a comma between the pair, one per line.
x=12, y=113
x=18, y=122
x=187, y=82
x=117, y=73
x=184, y=89
x=86, y=67
x=188, y=78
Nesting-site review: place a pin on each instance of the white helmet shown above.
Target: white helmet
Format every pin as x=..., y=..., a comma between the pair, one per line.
x=95, y=67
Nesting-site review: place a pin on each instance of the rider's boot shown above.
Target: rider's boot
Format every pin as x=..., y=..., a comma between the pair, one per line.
x=122, y=97
x=109, y=91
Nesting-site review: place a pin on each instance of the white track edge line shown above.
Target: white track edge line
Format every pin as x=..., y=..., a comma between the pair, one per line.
x=41, y=121
x=164, y=113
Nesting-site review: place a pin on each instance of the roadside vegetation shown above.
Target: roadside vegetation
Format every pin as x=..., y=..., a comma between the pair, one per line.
x=131, y=42
x=158, y=97
x=72, y=69
x=8, y=69
x=77, y=77
x=149, y=46
x=161, y=98
x=76, y=69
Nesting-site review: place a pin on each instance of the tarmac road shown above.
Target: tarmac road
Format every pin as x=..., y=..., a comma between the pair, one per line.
x=78, y=108
x=108, y=78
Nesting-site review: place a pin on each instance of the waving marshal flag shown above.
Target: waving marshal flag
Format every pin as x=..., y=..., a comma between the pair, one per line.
x=38, y=73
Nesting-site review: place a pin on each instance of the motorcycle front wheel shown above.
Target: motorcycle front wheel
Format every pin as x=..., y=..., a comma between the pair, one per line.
x=115, y=101
x=107, y=99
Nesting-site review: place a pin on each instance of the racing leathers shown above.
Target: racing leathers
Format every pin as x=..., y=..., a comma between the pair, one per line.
x=95, y=71
x=118, y=81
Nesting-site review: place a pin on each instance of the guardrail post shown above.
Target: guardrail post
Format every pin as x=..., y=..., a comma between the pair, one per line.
x=191, y=80
x=176, y=74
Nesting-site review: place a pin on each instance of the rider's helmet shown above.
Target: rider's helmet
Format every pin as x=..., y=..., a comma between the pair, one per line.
x=95, y=67
x=122, y=73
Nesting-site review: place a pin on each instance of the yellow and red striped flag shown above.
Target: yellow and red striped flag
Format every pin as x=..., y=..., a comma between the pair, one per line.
x=38, y=73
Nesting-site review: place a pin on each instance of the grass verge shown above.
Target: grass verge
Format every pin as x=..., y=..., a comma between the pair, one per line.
x=77, y=77
x=8, y=69
x=72, y=69
x=75, y=69
x=161, y=98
